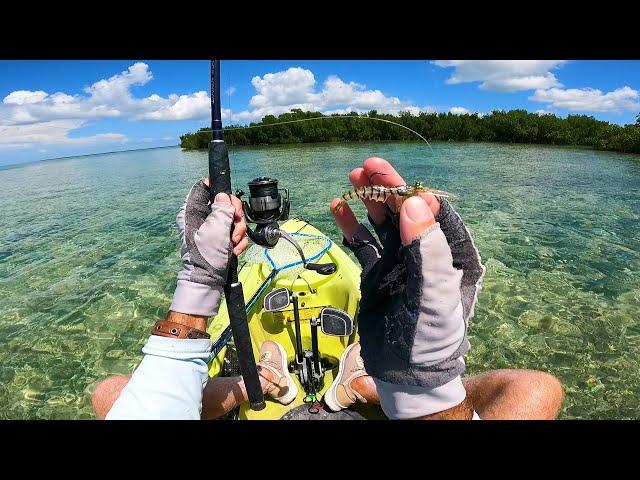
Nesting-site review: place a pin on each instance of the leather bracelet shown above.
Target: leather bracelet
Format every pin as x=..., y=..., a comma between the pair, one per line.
x=167, y=328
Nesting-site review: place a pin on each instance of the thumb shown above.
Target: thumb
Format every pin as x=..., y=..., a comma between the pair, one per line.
x=415, y=218
x=221, y=203
x=222, y=198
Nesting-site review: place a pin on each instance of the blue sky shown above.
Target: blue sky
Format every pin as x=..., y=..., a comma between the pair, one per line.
x=60, y=108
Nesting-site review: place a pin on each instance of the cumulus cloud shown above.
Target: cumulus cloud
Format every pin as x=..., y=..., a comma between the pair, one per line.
x=54, y=132
x=504, y=75
x=22, y=97
x=111, y=97
x=590, y=99
x=296, y=87
x=459, y=111
x=41, y=117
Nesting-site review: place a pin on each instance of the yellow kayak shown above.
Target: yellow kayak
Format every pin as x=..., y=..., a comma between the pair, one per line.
x=264, y=270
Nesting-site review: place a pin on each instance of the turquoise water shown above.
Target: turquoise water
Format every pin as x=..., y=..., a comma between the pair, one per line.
x=89, y=254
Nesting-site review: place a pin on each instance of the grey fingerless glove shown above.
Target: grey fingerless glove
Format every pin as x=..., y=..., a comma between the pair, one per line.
x=465, y=256
x=417, y=300
x=205, y=232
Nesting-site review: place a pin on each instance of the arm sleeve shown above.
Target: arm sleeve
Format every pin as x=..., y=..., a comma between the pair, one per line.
x=168, y=383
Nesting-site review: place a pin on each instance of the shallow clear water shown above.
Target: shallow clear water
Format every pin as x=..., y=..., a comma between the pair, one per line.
x=89, y=254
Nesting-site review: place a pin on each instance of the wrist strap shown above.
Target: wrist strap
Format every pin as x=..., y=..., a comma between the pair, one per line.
x=167, y=328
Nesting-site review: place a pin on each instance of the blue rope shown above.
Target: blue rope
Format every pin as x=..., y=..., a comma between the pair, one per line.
x=299, y=262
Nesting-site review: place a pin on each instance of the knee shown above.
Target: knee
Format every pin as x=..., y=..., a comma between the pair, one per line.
x=544, y=391
x=106, y=392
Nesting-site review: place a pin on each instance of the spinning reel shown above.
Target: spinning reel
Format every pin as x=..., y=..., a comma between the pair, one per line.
x=266, y=206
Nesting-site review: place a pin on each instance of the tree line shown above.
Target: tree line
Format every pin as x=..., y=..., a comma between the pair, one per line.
x=514, y=126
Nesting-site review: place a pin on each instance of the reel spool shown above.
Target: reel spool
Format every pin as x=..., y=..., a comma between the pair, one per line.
x=266, y=206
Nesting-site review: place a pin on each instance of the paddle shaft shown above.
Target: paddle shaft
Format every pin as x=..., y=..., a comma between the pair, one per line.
x=220, y=177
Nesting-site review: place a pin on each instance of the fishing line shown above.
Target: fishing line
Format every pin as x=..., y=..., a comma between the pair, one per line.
x=332, y=118
x=344, y=117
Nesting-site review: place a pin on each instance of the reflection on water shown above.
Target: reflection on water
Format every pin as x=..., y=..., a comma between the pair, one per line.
x=89, y=254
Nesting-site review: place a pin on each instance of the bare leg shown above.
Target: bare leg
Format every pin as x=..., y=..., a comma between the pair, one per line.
x=223, y=394
x=220, y=396
x=366, y=387
x=500, y=394
x=515, y=395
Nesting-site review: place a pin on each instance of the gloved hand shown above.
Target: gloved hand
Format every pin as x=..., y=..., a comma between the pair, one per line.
x=419, y=283
x=207, y=244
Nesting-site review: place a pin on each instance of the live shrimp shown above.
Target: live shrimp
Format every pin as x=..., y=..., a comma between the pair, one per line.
x=379, y=193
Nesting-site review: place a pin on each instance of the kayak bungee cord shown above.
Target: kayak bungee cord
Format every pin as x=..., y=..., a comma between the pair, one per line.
x=220, y=179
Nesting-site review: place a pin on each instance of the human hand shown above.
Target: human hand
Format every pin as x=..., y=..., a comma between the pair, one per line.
x=207, y=244
x=419, y=283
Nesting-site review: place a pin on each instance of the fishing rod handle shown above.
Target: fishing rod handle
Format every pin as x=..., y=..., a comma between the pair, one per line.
x=242, y=339
x=219, y=170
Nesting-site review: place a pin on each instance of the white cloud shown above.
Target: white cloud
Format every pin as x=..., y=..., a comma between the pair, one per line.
x=590, y=99
x=38, y=117
x=48, y=118
x=504, y=75
x=54, y=132
x=417, y=110
x=21, y=97
x=517, y=75
x=175, y=107
x=459, y=111
x=111, y=97
x=289, y=87
x=283, y=91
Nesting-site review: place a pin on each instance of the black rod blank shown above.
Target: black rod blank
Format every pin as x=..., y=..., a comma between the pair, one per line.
x=220, y=177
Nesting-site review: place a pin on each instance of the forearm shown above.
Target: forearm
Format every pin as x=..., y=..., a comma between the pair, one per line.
x=169, y=381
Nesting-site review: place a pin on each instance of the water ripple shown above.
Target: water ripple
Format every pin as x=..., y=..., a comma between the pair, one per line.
x=89, y=254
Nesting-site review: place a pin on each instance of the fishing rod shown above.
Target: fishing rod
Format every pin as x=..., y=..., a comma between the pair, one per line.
x=220, y=176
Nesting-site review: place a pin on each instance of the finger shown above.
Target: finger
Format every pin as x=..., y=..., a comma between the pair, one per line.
x=433, y=202
x=206, y=181
x=376, y=210
x=237, y=204
x=345, y=219
x=241, y=247
x=240, y=224
x=415, y=218
x=239, y=231
x=222, y=198
x=381, y=172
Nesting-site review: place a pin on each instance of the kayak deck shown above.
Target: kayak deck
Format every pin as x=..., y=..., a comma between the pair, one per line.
x=262, y=271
